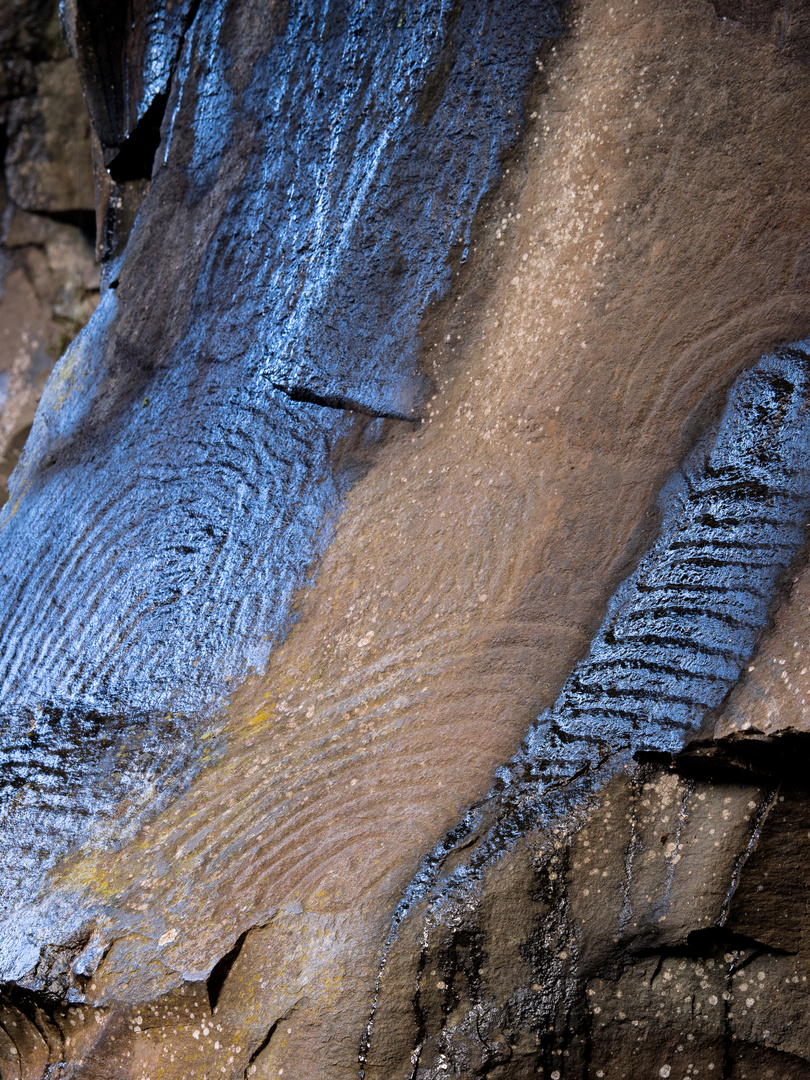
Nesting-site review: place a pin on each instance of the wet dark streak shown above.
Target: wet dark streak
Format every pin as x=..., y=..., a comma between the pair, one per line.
x=638, y=689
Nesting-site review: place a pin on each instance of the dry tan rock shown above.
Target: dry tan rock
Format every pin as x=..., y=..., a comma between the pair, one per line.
x=772, y=697
x=48, y=163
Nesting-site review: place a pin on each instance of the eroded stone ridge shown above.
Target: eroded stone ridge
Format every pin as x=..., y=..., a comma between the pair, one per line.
x=675, y=638
x=317, y=170
x=680, y=629
x=317, y=173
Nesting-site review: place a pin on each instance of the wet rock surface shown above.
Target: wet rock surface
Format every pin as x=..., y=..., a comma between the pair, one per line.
x=292, y=638
x=198, y=517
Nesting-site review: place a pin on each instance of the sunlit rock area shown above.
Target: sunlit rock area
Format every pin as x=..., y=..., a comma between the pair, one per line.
x=404, y=604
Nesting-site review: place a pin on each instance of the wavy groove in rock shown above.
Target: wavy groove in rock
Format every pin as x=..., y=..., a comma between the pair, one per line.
x=318, y=171
x=657, y=665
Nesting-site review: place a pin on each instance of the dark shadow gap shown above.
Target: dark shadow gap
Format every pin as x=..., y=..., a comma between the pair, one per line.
x=338, y=401
x=136, y=156
x=222, y=969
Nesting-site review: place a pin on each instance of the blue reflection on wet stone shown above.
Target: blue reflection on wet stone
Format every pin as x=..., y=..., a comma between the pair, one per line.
x=319, y=168
x=319, y=162
x=377, y=132
x=679, y=630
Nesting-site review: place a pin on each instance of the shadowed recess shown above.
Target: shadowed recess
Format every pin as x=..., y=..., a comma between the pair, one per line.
x=125, y=54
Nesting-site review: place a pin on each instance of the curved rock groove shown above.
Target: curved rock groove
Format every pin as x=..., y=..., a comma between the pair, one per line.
x=171, y=495
x=658, y=663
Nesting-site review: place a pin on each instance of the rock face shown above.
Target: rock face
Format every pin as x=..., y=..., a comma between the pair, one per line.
x=409, y=320
x=567, y=964
x=673, y=643
x=49, y=279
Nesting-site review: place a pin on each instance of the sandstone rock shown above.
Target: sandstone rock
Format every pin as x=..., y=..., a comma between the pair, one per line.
x=50, y=284
x=644, y=247
x=674, y=639
x=283, y=431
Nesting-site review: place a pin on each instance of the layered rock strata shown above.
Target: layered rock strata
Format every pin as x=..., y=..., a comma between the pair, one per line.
x=644, y=246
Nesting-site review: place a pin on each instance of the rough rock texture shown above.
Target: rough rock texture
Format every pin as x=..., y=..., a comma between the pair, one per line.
x=646, y=244
x=188, y=466
x=672, y=644
x=48, y=279
x=646, y=946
